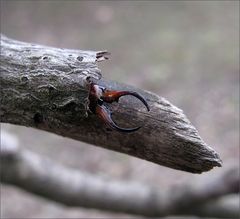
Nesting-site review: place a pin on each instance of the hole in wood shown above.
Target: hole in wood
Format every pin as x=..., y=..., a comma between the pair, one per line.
x=38, y=118
x=79, y=58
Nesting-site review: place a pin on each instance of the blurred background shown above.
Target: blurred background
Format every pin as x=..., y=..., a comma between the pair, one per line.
x=185, y=51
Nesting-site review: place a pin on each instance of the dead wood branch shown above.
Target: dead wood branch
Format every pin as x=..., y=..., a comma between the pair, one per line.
x=44, y=88
x=43, y=177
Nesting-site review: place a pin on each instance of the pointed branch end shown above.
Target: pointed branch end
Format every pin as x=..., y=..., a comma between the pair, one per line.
x=217, y=161
x=213, y=160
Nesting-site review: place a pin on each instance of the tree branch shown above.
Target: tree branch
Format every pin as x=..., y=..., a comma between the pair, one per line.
x=45, y=88
x=71, y=187
x=225, y=207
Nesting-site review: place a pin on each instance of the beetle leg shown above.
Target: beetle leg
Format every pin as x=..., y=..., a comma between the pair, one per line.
x=111, y=96
x=106, y=115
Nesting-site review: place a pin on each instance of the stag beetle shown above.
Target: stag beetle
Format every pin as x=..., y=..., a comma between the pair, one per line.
x=99, y=96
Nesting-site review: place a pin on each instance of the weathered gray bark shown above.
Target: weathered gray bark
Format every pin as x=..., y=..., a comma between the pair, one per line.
x=45, y=88
x=43, y=177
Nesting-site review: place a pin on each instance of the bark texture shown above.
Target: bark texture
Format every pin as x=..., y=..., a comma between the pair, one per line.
x=45, y=88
